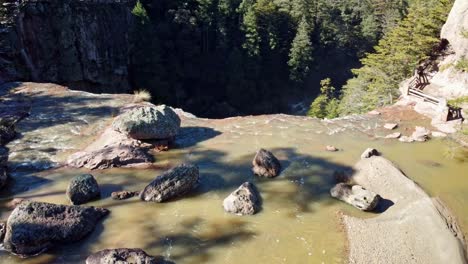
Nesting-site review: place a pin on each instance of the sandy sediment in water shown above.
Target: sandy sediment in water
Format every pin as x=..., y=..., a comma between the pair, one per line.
x=409, y=230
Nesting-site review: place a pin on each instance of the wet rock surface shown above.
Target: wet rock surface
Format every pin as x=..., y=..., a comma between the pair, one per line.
x=420, y=134
x=148, y=122
x=171, y=184
x=34, y=227
x=82, y=189
x=265, y=164
x=124, y=255
x=356, y=196
x=243, y=201
x=123, y=195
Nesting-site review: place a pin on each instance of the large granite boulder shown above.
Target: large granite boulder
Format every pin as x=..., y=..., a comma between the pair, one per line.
x=243, y=201
x=34, y=227
x=82, y=189
x=148, y=122
x=356, y=196
x=124, y=255
x=265, y=164
x=171, y=184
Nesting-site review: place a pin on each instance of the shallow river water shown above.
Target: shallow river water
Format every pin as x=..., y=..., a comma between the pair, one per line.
x=298, y=223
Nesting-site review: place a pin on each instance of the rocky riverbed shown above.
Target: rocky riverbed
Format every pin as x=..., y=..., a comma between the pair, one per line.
x=298, y=221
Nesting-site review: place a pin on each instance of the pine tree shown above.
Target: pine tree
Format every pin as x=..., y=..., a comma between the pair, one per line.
x=300, y=55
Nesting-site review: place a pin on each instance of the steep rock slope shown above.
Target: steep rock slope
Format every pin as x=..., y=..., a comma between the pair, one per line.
x=84, y=44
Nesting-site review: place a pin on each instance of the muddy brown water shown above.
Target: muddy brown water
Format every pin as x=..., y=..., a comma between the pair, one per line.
x=298, y=223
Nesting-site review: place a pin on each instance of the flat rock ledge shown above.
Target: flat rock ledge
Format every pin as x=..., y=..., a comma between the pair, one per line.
x=410, y=230
x=111, y=150
x=34, y=227
x=124, y=255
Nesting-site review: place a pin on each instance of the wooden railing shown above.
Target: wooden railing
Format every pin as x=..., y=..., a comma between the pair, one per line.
x=415, y=88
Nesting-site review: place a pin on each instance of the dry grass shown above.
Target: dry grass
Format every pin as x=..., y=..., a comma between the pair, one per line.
x=141, y=96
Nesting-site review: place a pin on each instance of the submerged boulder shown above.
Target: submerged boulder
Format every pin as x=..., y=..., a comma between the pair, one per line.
x=124, y=255
x=356, y=196
x=265, y=164
x=243, y=201
x=82, y=189
x=3, y=166
x=171, y=184
x=34, y=227
x=3, y=177
x=369, y=153
x=148, y=122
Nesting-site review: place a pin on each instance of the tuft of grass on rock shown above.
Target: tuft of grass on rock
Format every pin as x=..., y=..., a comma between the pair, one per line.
x=462, y=65
x=141, y=96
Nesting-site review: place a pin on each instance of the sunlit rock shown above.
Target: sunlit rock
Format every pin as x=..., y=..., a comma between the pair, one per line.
x=420, y=134
x=34, y=227
x=356, y=196
x=265, y=164
x=82, y=189
x=331, y=148
x=171, y=184
x=148, y=122
x=390, y=126
x=393, y=135
x=243, y=201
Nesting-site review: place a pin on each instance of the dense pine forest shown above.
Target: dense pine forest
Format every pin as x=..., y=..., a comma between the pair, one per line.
x=220, y=58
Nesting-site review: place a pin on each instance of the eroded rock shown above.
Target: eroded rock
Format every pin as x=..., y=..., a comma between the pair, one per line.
x=243, y=201
x=34, y=227
x=369, y=153
x=390, y=126
x=265, y=164
x=171, y=184
x=82, y=189
x=123, y=195
x=356, y=196
x=112, y=156
x=331, y=148
x=420, y=134
x=124, y=255
x=148, y=122
x=393, y=135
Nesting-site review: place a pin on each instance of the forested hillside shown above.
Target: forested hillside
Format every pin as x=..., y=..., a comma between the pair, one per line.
x=227, y=57
x=394, y=59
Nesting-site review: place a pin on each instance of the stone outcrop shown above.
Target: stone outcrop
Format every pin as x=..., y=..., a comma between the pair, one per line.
x=171, y=184
x=265, y=164
x=34, y=227
x=112, y=149
x=243, y=201
x=148, y=122
x=356, y=196
x=409, y=228
x=84, y=44
x=82, y=189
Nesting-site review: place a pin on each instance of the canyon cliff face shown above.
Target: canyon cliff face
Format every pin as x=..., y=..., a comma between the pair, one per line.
x=84, y=44
x=454, y=82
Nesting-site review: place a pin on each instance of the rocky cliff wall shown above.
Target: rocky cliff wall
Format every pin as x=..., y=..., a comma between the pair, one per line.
x=84, y=44
x=453, y=82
